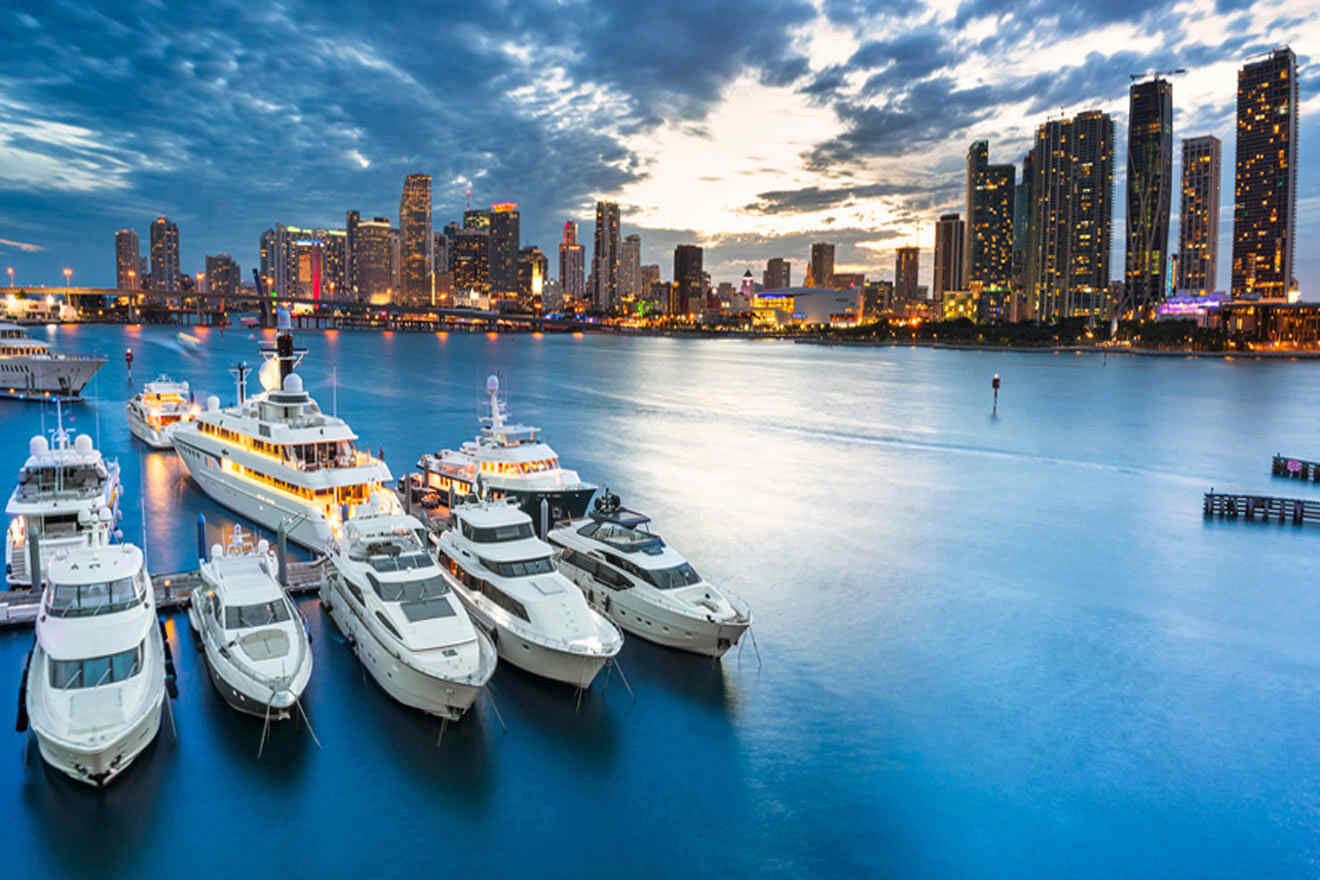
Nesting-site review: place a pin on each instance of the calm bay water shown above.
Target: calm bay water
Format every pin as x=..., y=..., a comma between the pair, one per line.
x=993, y=645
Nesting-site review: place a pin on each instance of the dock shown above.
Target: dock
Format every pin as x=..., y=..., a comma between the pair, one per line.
x=1235, y=505
x=20, y=607
x=1296, y=468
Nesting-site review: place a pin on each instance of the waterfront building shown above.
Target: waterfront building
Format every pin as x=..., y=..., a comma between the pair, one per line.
x=906, y=264
x=351, y=220
x=650, y=275
x=630, y=268
x=605, y=257
x=845, y=280
x=1265, y=179
x=441, y=253
x=128, y=260
x=1198, y=229
x=1149, y=187
x=505, y=234
x=533, y=271
x=663, y=296
x=572, y=263
x=821, y=273
x=416, y=240
x=948, y=254
x=807, y=307
x=223, y=277
x=377, y=261
x=164, y=255
x=689, y=280
x=988, y=237
x=778, y=274
x=1022, y=202
x=471, y=262
x=309, y=269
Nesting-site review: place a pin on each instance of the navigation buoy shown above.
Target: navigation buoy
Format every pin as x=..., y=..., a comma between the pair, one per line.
x=128, y=362
x=994, y=383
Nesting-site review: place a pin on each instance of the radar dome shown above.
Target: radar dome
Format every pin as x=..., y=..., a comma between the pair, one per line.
x=293, y=383
x=269, y=375
x=212, y=404
x=38, y=446
x=83, y=444
x=492, y=384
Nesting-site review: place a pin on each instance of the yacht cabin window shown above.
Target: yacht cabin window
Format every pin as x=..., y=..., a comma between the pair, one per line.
x=521, y=568
x=96, y=671
x=86, y=600
x=496, y=534
x=258, y=614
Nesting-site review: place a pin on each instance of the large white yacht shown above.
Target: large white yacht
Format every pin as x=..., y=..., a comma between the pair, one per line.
x=95, y=681
x=62, y=488
x=630, y=574
x=29, y=370
x=388, y=596
x=276, y=458
x=254, y=640
x=506, y=577
x=512, y=461
x=153, y=411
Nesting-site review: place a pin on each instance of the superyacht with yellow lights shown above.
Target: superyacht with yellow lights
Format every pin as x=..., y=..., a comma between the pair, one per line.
x=278, y=460
x=29, y=370
x=157, y=408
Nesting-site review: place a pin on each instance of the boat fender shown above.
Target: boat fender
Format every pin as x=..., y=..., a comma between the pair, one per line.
x=21, y=725
x=607, y=604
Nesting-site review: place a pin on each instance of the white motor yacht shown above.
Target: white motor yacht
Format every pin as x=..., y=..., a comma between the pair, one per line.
x=95, y=681
x=254, y=640
x=506, y=577
x=62, y=489
x=29, y=370
x=157, y=408
x=276, y=458
x=392, y=602
x=630, y=574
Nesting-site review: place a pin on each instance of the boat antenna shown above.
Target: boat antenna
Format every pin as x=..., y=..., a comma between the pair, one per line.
x=96, y=396
x=239, y=371
x=334, y=391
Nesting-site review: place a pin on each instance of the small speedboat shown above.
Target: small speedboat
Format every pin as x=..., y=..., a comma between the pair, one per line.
x=188, y=342
x=157, y=408
x=255, y=642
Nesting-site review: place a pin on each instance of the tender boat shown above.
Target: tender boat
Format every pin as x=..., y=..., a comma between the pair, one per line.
x=254, y=640
x=629, y=573
x=276, y=458
x=157, y=408
x=512, y=461
x=62, y=489
x=95, y=681
x=29, y=370
x=506, y=577
x=394, y=605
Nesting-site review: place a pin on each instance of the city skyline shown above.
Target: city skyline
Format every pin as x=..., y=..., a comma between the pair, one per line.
x=816, y=132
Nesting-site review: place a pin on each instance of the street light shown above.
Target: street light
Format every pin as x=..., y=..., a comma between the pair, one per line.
x=68, y=273
x=11, y=276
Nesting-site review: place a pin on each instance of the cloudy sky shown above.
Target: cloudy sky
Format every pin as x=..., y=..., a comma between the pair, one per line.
x=752, y=127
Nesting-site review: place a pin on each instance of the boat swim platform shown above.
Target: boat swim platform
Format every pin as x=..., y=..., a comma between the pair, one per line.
x=19, y=608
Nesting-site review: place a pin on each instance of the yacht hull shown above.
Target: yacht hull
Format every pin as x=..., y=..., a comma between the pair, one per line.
x=660, y=625
x=562, y=503
x=443, y=698
x=50, y=378
x=148, y=435
x=579, y=670
x=242, y=694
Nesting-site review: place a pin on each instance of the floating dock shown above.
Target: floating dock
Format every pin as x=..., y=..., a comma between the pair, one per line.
x=20, y=607
x=1296, y=469
x=1235, y=505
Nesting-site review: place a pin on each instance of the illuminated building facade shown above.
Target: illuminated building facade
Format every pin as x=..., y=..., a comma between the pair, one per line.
x=821, y=272
x=477, y=218
x=572, y=263
x=505, y=234
x=1149, y=188
x=1198, y=229
x=778, y=274
x=807, y=306
x=351, y=219
x=605, y=257
x=128, y=260
x=471, y=262
x=1265, y=179
x=164, y=255
x=948, y=254
x=416, y=239
x=630, y=269
x=906, y=263
x=223, y=277
x=988, y=239
x=377, y=261
x=689, y=280
x=533, y=272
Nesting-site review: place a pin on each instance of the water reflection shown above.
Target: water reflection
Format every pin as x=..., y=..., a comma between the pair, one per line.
x=701, y=681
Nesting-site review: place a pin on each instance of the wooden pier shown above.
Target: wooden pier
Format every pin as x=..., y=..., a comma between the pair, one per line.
x=1296, y=469
x=1235, y=505
x=20, y=607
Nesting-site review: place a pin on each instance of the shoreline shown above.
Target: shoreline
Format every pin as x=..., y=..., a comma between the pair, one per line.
x=1306, y=354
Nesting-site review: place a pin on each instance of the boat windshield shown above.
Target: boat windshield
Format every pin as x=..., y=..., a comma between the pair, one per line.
x=85, y=600
x=672, y=578
x=496, y=534
x=521, y=568
x=625, y=538
x=95, y=671
x=259, y=614
x=400, y=551
x=422, y=599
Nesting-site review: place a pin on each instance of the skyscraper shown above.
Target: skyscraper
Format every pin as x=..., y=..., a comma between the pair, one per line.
x=351, y=219
x=1265, y=180
x=504, y=245
x=376, y=266
x=470, y=261
x=416, y=240
x=1022, y=202
x=128, y=257
x=223, y=277
x=605, y=257
x=533, y=272
x=572, y=263
x=821, y=273
x=1149, y=185
x=630, y=268
x=689, y=280
x=988, y=234
x=1198, y=230
x=948, y=254
x=778, y=274
x=164, y=255
x=905, y=272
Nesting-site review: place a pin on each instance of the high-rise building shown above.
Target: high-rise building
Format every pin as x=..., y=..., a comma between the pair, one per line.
x=1071, y=217
x=650, y=276
x=128, y=259
x=477, y=218
x=533, y=272
x=1265, y=180
x=948, y=254
x=905, y=272
x=572, y=263
x=471, y=261
x=630, y=268
x=504, y=247
x=266, y=260
x=377, y=261
x=689, y=280
x=223, y=277
x=441, y=252
x=334, y=256
x=988, y=234
x=351, y=220
x=605, y=257
x=1149, y=188
x=164, y=255
x=1198, y=229
x=416, y=240
x=821, y=272
x=778, y=274
x=1022, y=203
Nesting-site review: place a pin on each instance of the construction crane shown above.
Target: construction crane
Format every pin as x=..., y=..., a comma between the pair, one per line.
x=1181, y=71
